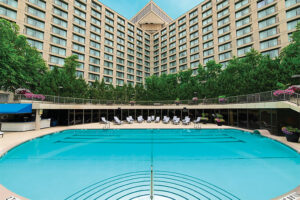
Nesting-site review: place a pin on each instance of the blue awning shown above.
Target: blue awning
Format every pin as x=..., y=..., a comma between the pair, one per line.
x=15, y=108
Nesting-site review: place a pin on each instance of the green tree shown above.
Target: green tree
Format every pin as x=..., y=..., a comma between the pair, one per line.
x=21, y=66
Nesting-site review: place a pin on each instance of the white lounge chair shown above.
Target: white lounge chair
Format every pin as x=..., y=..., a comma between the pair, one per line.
x=1, y=134
x=153, y=118
x=129, y=120
x=176, y=121
x=130, y=117
x=104, y=120
x=12, y=198
x=140, y=119
x=157, y=120
x=197, y=121
x=186, y=121
x=149, y=119
x=174, y=118
x=166, y=120
x=118, y=121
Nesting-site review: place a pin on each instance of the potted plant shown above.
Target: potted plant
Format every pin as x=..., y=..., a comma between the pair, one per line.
x=291, y=134
x=132, y=102
x=219, y=121
x=222, y=99
x=177, y=101
x=204, y=118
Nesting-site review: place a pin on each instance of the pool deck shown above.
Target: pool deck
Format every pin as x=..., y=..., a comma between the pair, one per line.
x=13, y=139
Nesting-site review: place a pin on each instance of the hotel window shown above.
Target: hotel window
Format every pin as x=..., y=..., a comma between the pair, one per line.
x=172, y=39
x=79, y=21
x=193, y=28
x=108, y=64
x=122, y=28
x=93, y=68
x=172, y=64
x=78, y=30
x=61, y=13
x=96, y=21
x=120, y=54
x=269, y=43
x=224, y=30
x=139, y=73
x=129, y=57
x=182, y=47
x=130, y=70
x=267, y=22
x=223, y=21
x=61, y=4
x=60, y=22
x=131, y=27
x=59, y=41
x=120, y=60
x=289, y=3
x=59, y=31
x=292, y=13
x=242, y=22
x=268, y=33
x=130, y=51
x=36, y=12
x=194, y=35
x=207, y=36
x=272, y=53
x=95, y=53
x=181, y=54
x=79, y=74
x=108, y=49
x=244, y=40
x=208, y=52
x=208, y=44
x=173, y=70
x=96, y=14
x=266, y=12
x=109, y=14
x=244, y=50
x=181, y=20
x=109, y=21
x=109, y=28
x=120, y=74
x=35, y=33
x=181, y=34
x=223, y=12
x=224, y=47
x=80, y=56
x=96, y=6
x=130, y=77
x=241, y=13
x=80, y=5
x=172, y=51
x=224, y=38
x=95, y=37
x=207, y=29
x=121, y=21
x=194, y=57
x=207, y=5
x=120, y=40
x=94, y=77
x=163, y=32
x=38, y=45
x=292, y=24
x=8, y=12
x=241, y=4
x=120, y=67
x=206, y=13
x=172, y=26
x=57, y=60
x=206, y=60
x=78, y=47
x=193, y=21
x=182, y=67
x=207, y=21
x=243, y=31
x=80, y=66
x=194, y=13
x=222, y=5
x=94, y=60
x=13, y=3
x=58, y=50
x=108, y=72
x=35, y=22
x=109, y=35
x=108, y=57
x=38, y=3
x=163, y=37
x=120, y=47
x=225, y=56
x=107, y=79
x=194, y=42
x=182, y=27
x=263, y=3
x=195, y=64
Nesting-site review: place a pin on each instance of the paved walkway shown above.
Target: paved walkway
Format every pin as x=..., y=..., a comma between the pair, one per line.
x=12, y=139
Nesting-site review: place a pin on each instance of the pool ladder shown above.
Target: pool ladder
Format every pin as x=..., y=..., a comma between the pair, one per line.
x=197, y=126
x=106, y=126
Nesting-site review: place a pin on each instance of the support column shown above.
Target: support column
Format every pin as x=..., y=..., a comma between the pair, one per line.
x=92, y=116
x=74, y=117
x=37, y=119
x=82, y=116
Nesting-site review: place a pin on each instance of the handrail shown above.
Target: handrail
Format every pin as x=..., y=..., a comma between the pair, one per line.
x=249, y=98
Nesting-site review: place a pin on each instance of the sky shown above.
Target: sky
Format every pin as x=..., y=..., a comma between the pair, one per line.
x=128, y=8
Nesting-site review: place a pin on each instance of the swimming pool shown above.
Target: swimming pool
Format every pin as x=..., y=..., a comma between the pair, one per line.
x=116, y=164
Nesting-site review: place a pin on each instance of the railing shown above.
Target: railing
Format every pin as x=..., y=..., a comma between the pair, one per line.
x=4, y=98
x=242, y=99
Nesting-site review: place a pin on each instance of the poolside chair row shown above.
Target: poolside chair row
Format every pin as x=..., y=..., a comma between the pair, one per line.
x=175, y=120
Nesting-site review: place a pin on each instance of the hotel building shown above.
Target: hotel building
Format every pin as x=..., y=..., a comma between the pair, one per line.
x=120, y=50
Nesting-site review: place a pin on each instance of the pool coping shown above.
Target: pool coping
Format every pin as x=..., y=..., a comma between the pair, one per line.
x=16, y=140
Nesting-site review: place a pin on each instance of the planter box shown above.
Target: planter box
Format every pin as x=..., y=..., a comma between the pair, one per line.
x=292, y=138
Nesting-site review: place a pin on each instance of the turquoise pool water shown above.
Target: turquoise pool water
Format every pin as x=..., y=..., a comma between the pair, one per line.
x=116, y=164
